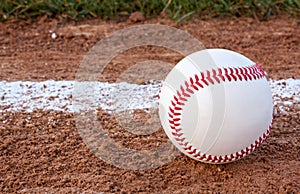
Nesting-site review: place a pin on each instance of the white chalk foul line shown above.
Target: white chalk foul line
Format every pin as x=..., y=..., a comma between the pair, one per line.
x=57, y=95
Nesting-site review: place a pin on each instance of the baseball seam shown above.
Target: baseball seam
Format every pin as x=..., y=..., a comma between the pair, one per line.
x=202, y=80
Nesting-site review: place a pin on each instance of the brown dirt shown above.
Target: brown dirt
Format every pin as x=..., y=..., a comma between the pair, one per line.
x=42, y=152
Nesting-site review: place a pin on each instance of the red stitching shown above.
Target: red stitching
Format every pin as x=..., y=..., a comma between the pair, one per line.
x=247, y=73
x=183, y=91
x=232, y=74
x=227, y=74
x=252, y=72
x=197, y=81
x=208, y=77
x=180, y=97
x=189, y=87
x=179, y=139
x=193, y=84
x=172, y=111
x=238, y=74
x=177, y=134
x=244, y=73
x=215, y=76
x=178, y=102
x=203, y=78
x=221, y=74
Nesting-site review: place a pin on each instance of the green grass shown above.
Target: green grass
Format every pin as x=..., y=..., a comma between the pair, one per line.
x=178, y=10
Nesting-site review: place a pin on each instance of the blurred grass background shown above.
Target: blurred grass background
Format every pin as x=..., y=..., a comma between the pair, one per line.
x=177, y=10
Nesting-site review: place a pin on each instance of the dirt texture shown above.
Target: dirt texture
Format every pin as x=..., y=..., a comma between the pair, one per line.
x=43, y=152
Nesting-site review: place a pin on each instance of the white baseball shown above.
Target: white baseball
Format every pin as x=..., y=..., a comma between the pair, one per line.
x=216, y=106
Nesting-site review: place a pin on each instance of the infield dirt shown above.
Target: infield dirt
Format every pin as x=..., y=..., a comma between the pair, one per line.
x=42, y=151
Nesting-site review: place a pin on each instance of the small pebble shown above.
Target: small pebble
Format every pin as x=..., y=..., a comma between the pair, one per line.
x=53, y=35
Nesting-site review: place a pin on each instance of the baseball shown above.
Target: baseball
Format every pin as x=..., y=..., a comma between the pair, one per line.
x=216, y=106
